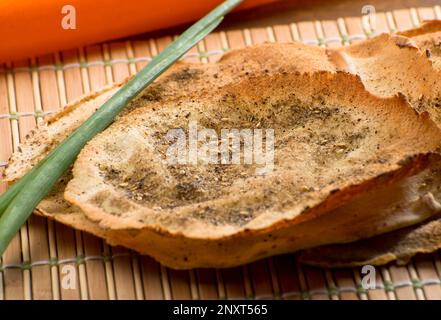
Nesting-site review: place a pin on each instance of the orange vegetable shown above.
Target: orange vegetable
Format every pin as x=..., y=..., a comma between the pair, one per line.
x=34, y=27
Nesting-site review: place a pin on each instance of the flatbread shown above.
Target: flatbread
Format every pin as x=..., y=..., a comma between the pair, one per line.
x=391, y=64
x=428, y=39
x=333, y=141
x=399, y=246
x=266, y=59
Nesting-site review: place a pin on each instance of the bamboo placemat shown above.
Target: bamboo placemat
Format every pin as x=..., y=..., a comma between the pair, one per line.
x=43, y=255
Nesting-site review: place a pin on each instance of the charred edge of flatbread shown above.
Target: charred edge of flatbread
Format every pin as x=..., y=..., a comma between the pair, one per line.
x=400, y=245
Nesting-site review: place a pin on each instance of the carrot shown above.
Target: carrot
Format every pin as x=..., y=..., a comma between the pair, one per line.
x=29, y=27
